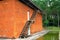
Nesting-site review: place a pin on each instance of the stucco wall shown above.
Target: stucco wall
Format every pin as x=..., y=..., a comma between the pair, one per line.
x=13, y=16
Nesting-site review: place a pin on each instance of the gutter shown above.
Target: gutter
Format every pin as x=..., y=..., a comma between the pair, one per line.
x=30, y=4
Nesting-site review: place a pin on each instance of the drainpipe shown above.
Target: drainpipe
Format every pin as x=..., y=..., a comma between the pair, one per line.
x=28, y=18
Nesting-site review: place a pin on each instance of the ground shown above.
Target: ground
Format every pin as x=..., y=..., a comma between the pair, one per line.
x=53, y=34
x=52, y=28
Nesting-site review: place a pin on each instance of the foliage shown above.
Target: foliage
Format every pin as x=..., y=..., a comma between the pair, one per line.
x=51, y=11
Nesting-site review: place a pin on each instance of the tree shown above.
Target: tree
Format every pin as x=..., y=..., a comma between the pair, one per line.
x=50, y=7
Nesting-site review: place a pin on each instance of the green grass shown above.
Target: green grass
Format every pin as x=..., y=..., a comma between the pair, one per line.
x=53, y=34
x=52, y=28
x=50, y=36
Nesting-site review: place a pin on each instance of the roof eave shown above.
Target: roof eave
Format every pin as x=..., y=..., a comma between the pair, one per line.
x=30, y=4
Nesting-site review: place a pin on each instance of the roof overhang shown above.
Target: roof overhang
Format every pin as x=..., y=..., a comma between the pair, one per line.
x=30, y=4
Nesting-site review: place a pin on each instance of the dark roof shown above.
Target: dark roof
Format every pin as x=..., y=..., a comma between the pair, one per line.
x=30, y=4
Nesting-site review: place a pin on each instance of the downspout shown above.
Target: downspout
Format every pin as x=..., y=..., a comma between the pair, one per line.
x=28, y=18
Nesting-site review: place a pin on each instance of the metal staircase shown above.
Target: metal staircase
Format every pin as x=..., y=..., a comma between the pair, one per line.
x=24, y=32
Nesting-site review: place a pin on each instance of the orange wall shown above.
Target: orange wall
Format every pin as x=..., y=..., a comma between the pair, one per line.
x=37, y=25
x=13, y=16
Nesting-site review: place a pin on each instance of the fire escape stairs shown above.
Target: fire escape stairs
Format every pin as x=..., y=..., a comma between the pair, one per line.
x=24, y=32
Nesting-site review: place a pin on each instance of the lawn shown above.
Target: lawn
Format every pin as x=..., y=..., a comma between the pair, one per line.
x=52, y=28
x=53, y=34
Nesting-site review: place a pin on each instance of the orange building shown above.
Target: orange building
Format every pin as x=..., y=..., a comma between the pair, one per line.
x=19, y=18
